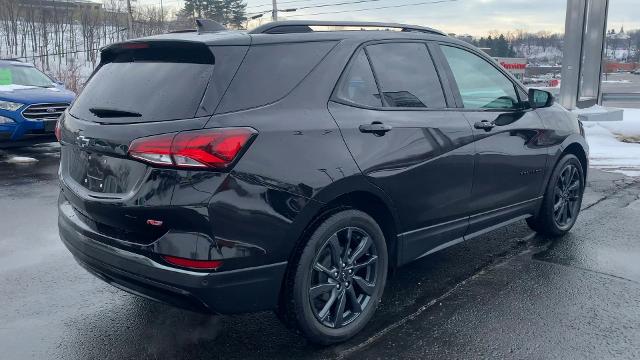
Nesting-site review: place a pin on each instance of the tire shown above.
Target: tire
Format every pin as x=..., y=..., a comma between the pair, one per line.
x=562, y=199
x=316, y=289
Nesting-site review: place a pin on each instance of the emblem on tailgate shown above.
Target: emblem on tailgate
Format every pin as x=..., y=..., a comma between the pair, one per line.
x=82, y=141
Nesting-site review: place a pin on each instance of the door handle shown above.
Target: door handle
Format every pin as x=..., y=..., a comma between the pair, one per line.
x=485, y=125
x=376, y=128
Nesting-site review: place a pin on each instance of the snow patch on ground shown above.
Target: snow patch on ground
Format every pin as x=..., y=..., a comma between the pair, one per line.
x=611, y=143
x=635, y=205
x=21, y=160
x=53, y=144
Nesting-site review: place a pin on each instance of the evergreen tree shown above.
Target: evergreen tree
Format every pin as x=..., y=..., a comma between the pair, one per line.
x=237, y=14
x=501, y=47
x=227, y=12
x=194, y=8
x=216, y=11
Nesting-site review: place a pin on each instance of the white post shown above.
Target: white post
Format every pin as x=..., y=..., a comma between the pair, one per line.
x=274, y=12
x=572, y=54
x=129, y=19
x=583, y=57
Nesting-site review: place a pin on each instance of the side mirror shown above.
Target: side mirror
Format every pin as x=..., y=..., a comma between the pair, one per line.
x=540, y=98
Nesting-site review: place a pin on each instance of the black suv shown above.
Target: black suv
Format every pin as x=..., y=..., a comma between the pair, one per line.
x=291, y=167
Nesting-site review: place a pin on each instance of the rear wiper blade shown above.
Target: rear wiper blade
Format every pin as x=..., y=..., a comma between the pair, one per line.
x=110, y=113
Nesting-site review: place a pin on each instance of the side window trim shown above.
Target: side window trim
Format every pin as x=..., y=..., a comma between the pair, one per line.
x=343, y=77
x=449, y=86
x=345, y=71
x=449, y=95
x=375, y=77
x=454, y=84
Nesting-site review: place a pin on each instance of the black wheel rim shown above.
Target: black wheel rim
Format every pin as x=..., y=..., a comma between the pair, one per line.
x=566, y=197
x=343, y=277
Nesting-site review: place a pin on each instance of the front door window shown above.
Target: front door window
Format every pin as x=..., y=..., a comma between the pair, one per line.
x=481, y=85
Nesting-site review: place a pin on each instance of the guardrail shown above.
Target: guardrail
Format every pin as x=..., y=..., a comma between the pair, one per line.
x=621, y=96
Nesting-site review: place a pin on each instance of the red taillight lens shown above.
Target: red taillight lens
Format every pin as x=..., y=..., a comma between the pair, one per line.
x=193, y=264
x=135, y=46
x=210, y=148
x=153, y=149
x=58, y=130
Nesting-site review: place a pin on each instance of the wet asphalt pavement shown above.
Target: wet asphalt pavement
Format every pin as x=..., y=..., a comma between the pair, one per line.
x=509, y=294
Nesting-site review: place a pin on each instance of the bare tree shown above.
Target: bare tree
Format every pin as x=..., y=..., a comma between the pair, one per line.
x=63, y=37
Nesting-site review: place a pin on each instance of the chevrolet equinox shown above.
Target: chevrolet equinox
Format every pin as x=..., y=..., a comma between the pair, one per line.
x=290, y=167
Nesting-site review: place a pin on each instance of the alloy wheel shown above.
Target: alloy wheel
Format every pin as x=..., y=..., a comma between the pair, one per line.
x=343, y=277
x=566, y=198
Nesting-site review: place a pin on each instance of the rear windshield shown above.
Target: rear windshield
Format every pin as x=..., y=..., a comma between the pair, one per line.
x=146, y=82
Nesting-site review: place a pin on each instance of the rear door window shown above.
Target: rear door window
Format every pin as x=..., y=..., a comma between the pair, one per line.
x=148, y=83
x=406, y=75
x=358, y=85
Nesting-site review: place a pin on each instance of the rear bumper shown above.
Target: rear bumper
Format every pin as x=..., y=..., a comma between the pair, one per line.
x=234, y=291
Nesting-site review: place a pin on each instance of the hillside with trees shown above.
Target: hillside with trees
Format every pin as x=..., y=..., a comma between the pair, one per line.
x=546, y=48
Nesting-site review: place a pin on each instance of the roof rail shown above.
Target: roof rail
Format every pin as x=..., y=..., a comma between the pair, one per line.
x=301, y=26
x=208, y=26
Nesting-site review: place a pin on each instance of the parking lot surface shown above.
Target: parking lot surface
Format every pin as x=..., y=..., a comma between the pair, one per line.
x=509, y=294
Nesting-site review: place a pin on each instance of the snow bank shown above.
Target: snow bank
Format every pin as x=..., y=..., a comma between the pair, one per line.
x=21, y=160
x=607, y=146
x=539, y=53
x=617, y=81
x=590, y=110
x=53, y=144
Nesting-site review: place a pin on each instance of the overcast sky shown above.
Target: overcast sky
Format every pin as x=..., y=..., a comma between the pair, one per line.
x=475, y=17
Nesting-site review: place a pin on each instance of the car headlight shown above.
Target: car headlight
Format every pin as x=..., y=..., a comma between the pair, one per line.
x=11, y=106
x=6, y=120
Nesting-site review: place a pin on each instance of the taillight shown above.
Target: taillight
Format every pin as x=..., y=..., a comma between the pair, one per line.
x=193, y=264
x=58, y=130
x=209, y=148
x=135, y=45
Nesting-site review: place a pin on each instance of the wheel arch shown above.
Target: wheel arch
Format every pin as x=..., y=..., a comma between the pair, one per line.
x=575, y=145
x=577, y=150
x=540, y=222
x=349, y=193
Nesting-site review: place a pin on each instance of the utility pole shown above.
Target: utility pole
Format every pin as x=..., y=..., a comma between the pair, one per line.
x=129, y=19
x=161, y=13
x=274, y=12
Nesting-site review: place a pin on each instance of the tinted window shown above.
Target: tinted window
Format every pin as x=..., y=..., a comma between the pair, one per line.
x=228, y=59
x=150, y=82
x=269, y=72
x=481, y=85
x=406, y=75
x=358, y=85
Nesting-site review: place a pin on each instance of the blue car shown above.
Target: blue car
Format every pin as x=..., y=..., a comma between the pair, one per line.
x=30, y=101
